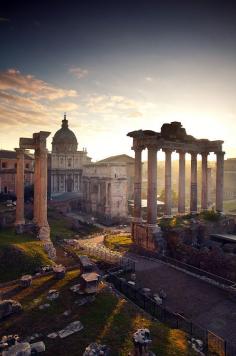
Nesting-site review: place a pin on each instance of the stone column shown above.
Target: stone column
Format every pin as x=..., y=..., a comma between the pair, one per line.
x=152, y=186
x=138, y=185
x=219, y=180
x=181, y=193
x=168, y=193
x=193, y=193
x=36, y=185
x=204, y=181
x=20, y=171
x=42, y=177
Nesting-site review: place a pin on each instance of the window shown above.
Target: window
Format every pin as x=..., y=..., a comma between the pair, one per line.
x=4, y=164
x=15, y=165
x=27, y=165
x=69, y=162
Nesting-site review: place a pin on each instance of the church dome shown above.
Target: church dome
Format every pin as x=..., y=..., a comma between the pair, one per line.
x=64, y=139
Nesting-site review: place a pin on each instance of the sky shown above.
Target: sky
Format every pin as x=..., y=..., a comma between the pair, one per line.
x=117, y=66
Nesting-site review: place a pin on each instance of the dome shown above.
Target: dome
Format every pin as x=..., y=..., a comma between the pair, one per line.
x=64, y=139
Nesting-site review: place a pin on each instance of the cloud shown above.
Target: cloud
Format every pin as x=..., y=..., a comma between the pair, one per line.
x=110, y=104
x=78, y=72
x=13, y=80
x=27, y=100
x=149, y=79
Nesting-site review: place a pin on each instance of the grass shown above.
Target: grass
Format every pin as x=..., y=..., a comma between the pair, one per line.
x=108, y=320
x=118, y=242
x=19, y=254
x=230, y=206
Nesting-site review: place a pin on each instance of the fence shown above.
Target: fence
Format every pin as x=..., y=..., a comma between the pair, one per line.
x=212, y=342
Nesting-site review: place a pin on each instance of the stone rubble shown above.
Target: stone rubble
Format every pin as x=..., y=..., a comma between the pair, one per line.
x=8, y=307
x=19, y=349
x=85, y=300
x=53, y=294
x=44, y=306
x=75, y=288
x=95, y=349
x=70, y=329
x=59, y=271
x=37, y=347
x=26, y=280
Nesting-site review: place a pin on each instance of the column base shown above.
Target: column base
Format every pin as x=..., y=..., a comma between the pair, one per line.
x=193, y=212
x=19, y=227
x=167, y=216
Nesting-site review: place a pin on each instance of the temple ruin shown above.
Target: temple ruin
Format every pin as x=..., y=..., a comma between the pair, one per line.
x=38, y=144
x=172, y=138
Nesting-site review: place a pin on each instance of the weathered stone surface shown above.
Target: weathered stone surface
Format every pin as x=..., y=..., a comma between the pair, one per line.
x=21, y=349
x=26, y=280
x=38, y=347
x=70, y=329
x=59, y=271
x=8, y=307
x=53, y=294
x=95, y=349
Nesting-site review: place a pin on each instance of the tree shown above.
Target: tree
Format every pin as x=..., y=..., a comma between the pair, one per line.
x=174, y=197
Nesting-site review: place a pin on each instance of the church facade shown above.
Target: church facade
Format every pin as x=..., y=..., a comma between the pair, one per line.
x=65, y=163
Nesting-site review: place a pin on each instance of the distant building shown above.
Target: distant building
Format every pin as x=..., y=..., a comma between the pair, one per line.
x=101, y=189
x=65, y=163
x=105, y=187
x=8, y=166
x=230, y=179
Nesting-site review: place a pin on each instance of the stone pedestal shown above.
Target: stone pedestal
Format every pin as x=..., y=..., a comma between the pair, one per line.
x=20, y=171
x=181, y=198
x=193, y=188
x=152, y=186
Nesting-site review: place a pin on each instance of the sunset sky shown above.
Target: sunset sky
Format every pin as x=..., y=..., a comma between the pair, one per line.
x=117, y=66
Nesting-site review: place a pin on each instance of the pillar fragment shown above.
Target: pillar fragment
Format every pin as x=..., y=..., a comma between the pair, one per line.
x=204, y=197
x=193, y=188
x=20, y=172
x=181, y=193
x=219, y=180
x=152, y=186
x=138, y=184
x=168, y=193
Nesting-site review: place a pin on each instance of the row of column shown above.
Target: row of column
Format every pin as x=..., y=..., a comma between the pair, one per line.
x=152, y=183
x=40, y=187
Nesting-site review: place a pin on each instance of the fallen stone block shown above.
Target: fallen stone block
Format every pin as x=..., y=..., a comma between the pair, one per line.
x=38, y=347
x=26, y=280
x=19, y=349
x=70, y=329
x=8, y=307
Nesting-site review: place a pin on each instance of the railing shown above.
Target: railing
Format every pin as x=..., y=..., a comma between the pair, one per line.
x=212, y=343
x=109, y=256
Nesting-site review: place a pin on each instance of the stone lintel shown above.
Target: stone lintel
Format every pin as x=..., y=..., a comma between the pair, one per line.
x=27, y=143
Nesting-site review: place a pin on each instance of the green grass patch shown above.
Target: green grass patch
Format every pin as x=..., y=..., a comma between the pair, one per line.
x=108, y=320
x=19, y=254
x=118, y=242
